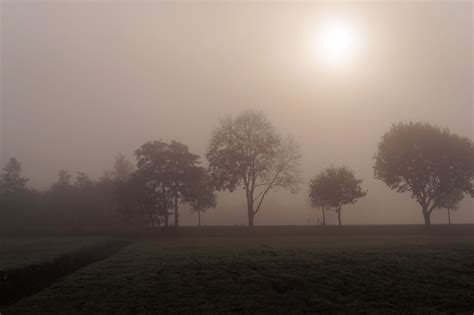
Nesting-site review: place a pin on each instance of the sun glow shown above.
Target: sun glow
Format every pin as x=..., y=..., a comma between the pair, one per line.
x=335, y=42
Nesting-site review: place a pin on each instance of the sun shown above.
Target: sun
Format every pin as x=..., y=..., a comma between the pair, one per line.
x=335, y=42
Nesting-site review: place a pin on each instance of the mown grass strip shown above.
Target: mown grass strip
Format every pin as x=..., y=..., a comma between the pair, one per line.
x=18, y=283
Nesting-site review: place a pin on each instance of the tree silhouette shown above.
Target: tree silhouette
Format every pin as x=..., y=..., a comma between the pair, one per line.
x=64, y=182
x=82, y=182
x=15, y=198
x=333, y=188
x=246, y=151
x=11, y=181
x=169, y=170
x=135, y=199
x=123, y=168
x=451, y=203
x=431, y=163
x=152, y=165
x=200, y=194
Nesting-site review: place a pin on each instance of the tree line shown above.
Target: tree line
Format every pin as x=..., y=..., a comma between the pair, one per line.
x=245, y=152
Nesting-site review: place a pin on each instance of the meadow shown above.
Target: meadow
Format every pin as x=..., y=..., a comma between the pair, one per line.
x=273, y=269
x=17, y=252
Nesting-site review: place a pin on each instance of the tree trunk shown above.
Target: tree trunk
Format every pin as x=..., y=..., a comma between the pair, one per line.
x=166, y=219
x=250, y=212
x=339, y=217
x=324, y=216
x=449, y=216
x=251, y=215
x=176, y=214
x=427, y=217
x=199, y=218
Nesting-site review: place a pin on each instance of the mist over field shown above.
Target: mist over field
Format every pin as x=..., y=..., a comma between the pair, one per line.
x=82, y=81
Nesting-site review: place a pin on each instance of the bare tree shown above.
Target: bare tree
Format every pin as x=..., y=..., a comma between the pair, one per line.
x=246, y=151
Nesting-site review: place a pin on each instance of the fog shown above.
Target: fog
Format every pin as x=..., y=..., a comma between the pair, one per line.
x=84, y=80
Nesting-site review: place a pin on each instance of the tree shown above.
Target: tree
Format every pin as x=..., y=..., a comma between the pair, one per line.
x=83, y=182
x=123, y=168
x=11, y=181
x=333, y=188
x=318, y=194
x=183, y=166
x=168, y=169
x=64, y=183
x=152, y=172
x=430, y=163
x=62, y=195
x=16, y=200
x=200, y=195
x=451, y=203
x=136, y=199
x=246, y=151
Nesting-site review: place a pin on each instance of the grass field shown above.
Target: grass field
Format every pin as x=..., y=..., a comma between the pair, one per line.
x=19, y=252
x=268, y=272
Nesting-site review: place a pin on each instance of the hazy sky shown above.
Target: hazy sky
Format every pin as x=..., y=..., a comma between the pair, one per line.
x=84, y=80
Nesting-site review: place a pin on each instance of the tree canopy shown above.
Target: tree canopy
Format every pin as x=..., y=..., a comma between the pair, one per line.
x=170, y=172
x=333, y=188
x=11, y=180
x=431, y=163
x=246, y=151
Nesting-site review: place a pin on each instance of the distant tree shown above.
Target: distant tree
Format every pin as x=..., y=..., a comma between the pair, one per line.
x=246, y=151
x=64, y=182
x=105, y=188
x=123, y=168
x=183, y=169
x=319, y=194
x=16, y=200
x=61, y=198
x=431, y=163
x=200, y=194
x=168, y=170
x=136, y=200
x=83, y=182
x=333, y=188
x=451, y=203
x=108, y=176
x=11, y=181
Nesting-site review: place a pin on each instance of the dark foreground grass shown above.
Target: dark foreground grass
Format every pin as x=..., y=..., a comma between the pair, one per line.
x=18, y=252
x=20, y=282
x=271, y=274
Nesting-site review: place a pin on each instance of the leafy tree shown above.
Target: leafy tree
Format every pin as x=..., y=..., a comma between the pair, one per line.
x=152, y=172
x=168, y=170
x=431, y=163
x=83, y=183
x=246, y=151
x=11, y=181
x=64, y=182
x=123, y=168
x=451, y=203
x=62, y=195
x=105, y=188
x=16, y=200
x=136, y=200
x=319, y=194
x=200, y=194
x=182, y=169
x=333, y=188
